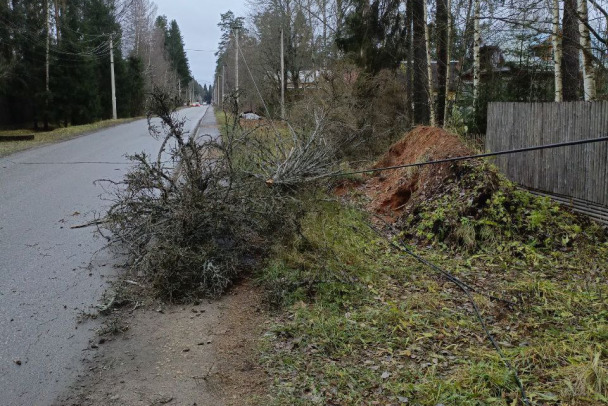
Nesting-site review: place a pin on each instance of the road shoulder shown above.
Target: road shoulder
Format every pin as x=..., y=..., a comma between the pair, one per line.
x=204, y=354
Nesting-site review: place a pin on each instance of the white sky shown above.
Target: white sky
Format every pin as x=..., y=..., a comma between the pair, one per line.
x=197, y=20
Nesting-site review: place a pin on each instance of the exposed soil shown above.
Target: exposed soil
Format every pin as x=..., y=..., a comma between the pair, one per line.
x=392, y=191
x=201, y=354
x=468, y=204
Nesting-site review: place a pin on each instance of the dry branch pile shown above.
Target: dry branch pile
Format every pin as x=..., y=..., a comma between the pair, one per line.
x=201, y=211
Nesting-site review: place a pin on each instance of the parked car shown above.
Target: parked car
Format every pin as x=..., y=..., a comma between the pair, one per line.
x=250, y=116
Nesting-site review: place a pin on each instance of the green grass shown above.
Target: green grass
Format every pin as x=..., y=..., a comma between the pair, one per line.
x=359, y=324
x=59, y=134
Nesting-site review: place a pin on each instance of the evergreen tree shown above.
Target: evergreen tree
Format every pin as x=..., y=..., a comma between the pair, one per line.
x=99, y=23
x=26, y=92
x=133, y=88
x=75, y=92
x=177, y=55
x=374, y=35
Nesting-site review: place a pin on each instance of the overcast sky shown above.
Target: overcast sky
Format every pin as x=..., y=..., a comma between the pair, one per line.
x=197, y=20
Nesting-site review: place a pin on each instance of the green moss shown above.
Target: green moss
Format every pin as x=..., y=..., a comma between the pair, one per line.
x=478, y=210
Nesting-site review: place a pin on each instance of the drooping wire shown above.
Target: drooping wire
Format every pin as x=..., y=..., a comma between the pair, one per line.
x=258, y=91
x=470, y=157
x=467, y=292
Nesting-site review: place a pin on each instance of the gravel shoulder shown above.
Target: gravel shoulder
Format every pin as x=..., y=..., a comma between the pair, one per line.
x=204, y=354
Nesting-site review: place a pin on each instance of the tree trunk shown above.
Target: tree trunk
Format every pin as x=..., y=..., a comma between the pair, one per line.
x=442, y=24
x=429, y=66
x=421, y=91
x=476, y=54
x=448, y=76
x=410, y=61
x=585, y=40
x=570, y=50
x=325, y=22
x=557, y=52
x=339, y=15
x=57, y=20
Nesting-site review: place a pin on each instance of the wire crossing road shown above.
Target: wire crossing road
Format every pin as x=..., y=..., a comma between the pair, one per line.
x=49, y=273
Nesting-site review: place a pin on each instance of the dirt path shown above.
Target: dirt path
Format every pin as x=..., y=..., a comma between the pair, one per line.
x=176, y=355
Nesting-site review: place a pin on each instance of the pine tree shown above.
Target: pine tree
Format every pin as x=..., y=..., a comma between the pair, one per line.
x=570, y=50
x=27, y=89
x=375, y=35
x=132, y=88
x=421, y=91
x=98, y=18
x=75, y=95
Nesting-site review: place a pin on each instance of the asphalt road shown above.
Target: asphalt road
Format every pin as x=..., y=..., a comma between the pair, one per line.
x=49, y=273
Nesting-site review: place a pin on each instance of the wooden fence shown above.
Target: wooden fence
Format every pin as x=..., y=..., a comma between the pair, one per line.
x=576, y=175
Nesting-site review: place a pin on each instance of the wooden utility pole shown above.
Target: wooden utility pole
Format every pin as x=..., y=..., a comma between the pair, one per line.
x=223, y=82
x=48, y=65
x=48, y=45
x=282, y=77
x=114, y=115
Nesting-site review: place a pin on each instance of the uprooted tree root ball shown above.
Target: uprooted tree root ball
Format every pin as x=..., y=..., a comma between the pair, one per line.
x=468, y=205
x=476, y=208
x=199, y=213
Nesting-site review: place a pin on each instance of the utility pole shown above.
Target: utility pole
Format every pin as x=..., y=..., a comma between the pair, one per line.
x=282, y=77
x=48, y=65
x=217, y=90
x=114, y=115
x=236, y=38
x=223, y=82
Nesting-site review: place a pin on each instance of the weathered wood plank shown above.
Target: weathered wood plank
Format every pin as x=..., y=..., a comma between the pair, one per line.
x=580, y=172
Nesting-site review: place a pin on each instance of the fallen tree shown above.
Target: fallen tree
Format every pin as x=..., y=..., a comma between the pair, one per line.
x=203, y=210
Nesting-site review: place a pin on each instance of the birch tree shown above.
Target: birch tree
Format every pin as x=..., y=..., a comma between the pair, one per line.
x=557, y=50
x=587, y=56
x=476, y=54
x=429, y=65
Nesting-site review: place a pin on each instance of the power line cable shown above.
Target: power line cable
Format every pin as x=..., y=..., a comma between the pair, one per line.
x=469, y=157
x=467, y=292
x=258, y=91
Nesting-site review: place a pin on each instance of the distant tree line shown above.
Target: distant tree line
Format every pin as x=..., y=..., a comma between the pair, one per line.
x=447, y=58
x=55, y=60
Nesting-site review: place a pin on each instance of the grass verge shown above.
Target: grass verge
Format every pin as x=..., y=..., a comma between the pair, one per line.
x=59, y=134
x=360, y=324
